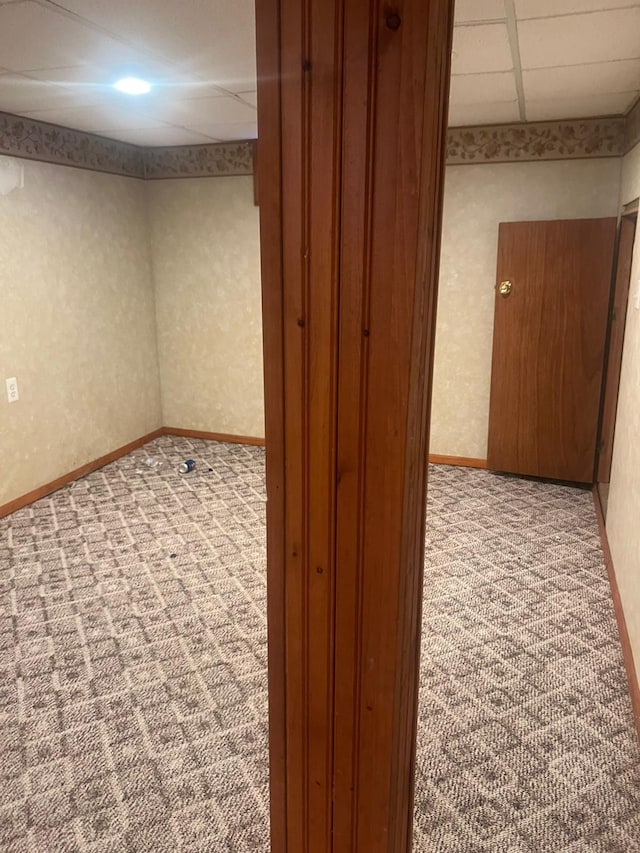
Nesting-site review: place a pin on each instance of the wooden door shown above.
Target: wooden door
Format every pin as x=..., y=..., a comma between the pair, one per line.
x=548, y=346
x=616, y=340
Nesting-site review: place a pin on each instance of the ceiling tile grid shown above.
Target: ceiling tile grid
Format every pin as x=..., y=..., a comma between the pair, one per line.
x=60, y=60
x=513, y=60
x=557, y=59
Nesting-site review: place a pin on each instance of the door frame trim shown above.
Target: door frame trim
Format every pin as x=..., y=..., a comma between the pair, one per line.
x=614, y=351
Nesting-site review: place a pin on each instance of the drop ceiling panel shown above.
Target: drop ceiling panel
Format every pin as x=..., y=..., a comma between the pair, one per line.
x=574, y=81
x=580, y=39
x=165, y=135
x=215, y=40
x=199, y=55
x=191, y=88
x=20, y=94
x=86, y=85
x=249, y=97
x=550, y=8
x=481, y=48
x=74, y=75
x=162, y=77
x=33, y=37
x=236, y=76
x=230, y=132
x=96, y=119
x=208, y=116
x=592, y=105
x=221, y=110
x=469, y=114
x=95, y=85
x=479, y=10
x=483, y=88
x=171, y=110
x=161, y=28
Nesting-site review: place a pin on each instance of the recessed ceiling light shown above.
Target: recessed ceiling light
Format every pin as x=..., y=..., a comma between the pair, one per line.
x=132, y=86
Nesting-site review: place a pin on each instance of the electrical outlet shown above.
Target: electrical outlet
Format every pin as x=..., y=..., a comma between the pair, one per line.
x=637, y=297
x=12, y=390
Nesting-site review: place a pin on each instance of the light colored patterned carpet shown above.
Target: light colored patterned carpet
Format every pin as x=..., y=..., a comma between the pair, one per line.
x=133, y=667
x=526, y=741
x=133, y=659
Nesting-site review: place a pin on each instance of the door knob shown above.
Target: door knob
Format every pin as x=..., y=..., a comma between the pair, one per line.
x=505, y=288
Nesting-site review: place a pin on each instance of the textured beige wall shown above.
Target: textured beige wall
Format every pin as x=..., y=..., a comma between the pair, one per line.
x=205, y=246
x=206, y=260
x=204, y=243
x=78, y=326
x=623, y=513
x=477, y=198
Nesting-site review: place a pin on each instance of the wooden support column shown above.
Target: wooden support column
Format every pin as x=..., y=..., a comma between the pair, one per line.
x=352, y=119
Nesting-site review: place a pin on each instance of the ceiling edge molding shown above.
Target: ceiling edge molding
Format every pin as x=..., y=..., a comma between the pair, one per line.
x=219, y=159
x=37, y=140
x=50, y=143
x=632, y=128
x=547, y=140
x=511, y=143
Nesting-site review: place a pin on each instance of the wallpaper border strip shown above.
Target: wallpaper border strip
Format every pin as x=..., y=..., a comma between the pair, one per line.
x=37, y=140
x=216, y=160
x=553, y=140
x=548, y=140
x=49, y=143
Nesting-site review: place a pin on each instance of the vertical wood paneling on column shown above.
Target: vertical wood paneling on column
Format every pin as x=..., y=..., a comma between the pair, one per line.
x=362, y=95
x=270, y=179
x=394, y=128
x=324, y=76
x=292, y=18
x=431, y=156
x=360, y=25
x=390, y=286
x=310, y=46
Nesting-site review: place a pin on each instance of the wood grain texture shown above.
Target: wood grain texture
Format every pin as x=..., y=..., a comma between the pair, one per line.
x=352, y=110
x=617, y=324
x=82, y=471
x=548, y=347
x=460, y=461
x=269, y=174
x=214, y=436
x=256, y=177
x=627, y=653
x=395, y=92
